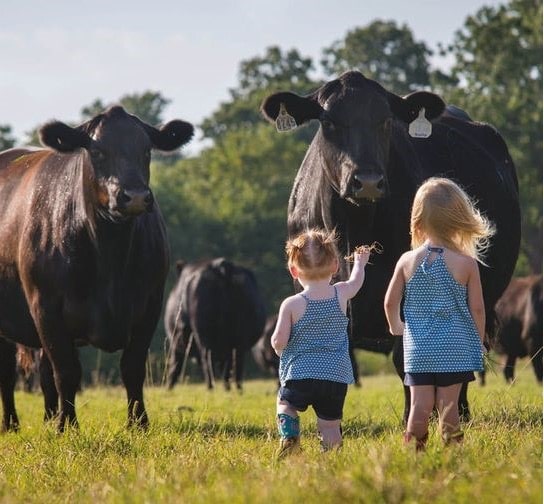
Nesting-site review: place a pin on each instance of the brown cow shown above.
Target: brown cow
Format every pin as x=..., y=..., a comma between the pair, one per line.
x=519, y=312
x=83, y=250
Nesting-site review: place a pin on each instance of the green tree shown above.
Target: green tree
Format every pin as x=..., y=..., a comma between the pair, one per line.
x=231, y=201
x=7, y=140
x=148, y=106
x=384, y=52
x=259, y=76
x=498, y=63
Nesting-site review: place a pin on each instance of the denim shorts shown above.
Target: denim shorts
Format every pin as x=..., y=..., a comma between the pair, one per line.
x=438, y=379
x=325, y=396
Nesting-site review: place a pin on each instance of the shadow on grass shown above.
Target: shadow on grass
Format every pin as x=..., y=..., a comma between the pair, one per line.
x=366, y=427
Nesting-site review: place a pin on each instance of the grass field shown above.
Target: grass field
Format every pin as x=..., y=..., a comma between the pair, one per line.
x=219, y=447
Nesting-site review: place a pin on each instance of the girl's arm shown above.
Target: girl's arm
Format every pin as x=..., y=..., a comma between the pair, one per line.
x=476, y=299
x=351, y=286
x=281, y=333
x=392, y=301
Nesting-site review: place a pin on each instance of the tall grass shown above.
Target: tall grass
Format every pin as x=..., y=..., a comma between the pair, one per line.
x=219, y=447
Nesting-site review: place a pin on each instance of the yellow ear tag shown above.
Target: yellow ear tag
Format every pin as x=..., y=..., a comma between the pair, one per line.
x=420, y=127
x=284, y=121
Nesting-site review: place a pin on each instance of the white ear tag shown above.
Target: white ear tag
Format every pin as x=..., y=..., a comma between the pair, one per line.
x=284, y=121
x=420, y=127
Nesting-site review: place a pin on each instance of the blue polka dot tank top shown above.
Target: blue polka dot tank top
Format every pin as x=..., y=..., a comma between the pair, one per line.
x=318, y=344
x=439, y=333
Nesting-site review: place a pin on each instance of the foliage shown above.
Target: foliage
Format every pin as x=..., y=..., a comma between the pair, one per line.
x=231, y=201
x=148, y=106
x=498, y=56
x=384, y=52
x=7, y=141
x=258, y=77
x=219, y=447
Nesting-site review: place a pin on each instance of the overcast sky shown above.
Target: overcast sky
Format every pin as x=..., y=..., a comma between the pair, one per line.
x=58, y=56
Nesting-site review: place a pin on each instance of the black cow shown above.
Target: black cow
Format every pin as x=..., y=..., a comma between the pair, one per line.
x=83, y=250
x=519, y=313
x=262, y=351
x=216, y=308
x=361, y=172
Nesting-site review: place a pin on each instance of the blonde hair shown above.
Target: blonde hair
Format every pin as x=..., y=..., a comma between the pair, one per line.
x=312, y=252
x=442, y=210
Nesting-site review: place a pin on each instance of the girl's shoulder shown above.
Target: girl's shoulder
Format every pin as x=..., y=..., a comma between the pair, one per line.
x=460, y=265
x=410, y=260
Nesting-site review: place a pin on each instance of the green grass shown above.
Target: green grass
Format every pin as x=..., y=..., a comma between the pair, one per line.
x=219, y=447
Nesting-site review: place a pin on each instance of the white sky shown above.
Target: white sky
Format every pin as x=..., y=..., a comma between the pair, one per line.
x=58, y=56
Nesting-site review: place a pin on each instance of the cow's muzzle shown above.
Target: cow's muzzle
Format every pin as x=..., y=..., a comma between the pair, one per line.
x=368, y=187
x=134, y=202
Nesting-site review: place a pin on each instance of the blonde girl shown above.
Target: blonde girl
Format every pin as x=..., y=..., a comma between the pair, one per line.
x=444, y=316
x=312, y=341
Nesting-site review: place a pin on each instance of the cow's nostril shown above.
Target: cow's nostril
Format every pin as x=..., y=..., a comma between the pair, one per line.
x=381, y=184
x=357, y=184
x=124, y=197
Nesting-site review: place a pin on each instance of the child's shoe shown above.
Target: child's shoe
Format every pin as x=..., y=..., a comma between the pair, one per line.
x=288, y=446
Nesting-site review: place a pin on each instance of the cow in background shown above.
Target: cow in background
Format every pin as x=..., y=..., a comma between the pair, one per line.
x=519, y=313
x=361, y=172
x=263, y=353
x=83, y=250
x=217, y=309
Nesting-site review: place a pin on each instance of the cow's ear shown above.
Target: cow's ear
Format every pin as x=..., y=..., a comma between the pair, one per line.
x=407, y=108
x=170, y=136
x=63, y=138
x=223, y=266
x=301, y=108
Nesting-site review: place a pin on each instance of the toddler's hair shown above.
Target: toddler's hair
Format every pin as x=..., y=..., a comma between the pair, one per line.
x=312, y=252
x=444, y=211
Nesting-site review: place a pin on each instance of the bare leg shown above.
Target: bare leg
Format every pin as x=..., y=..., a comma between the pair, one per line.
x=422, y=399
x=446, y=402
x=421, y=405
x=331, y=435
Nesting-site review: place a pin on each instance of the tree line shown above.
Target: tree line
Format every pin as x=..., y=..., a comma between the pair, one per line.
x=230, y=200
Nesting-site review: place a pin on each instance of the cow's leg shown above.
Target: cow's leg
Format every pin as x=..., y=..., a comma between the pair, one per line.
x=239, y=364
x=398, y=361
x=464, y=410
x=8, y=378
x=133, y=361
x=509, y=366
x=67, y=375
x=354, y=365
x=177, y=356
x=208, y=368
x=227, y=365
x=49, y=390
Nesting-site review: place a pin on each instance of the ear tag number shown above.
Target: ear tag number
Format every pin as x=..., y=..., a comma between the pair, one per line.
x=284, y=121
x=420, y=127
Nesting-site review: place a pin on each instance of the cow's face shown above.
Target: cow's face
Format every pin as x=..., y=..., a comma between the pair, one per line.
x=119, y=148
x=356, y=116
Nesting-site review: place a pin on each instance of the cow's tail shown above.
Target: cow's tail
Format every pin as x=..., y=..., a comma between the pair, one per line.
x=25, y=359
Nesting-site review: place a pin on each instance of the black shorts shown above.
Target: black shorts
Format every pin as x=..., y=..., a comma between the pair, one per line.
x=438, y=379
x=325, y=396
